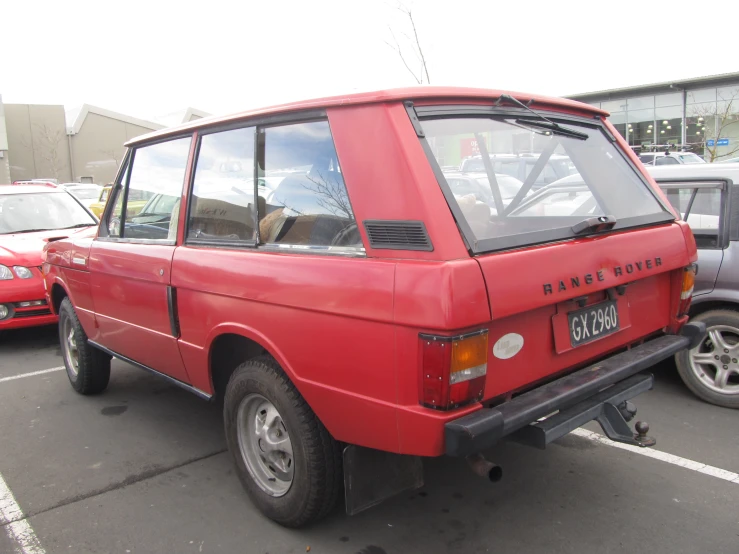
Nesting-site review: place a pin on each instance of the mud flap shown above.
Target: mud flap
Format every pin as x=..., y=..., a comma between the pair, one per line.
x=372, y=476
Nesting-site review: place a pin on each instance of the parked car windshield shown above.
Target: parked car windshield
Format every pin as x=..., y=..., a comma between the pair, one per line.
x=23, y=213
x=85, y=193
x=602, y=182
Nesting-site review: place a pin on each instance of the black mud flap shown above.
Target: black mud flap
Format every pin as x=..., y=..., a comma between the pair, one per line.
x=372, y=476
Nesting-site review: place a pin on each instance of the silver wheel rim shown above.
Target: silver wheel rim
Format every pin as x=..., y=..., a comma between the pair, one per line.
x=69, y=343
x=265, y=444
x=715, y=362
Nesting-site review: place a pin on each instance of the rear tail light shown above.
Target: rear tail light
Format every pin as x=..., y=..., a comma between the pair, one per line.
x=686, y=292
x=453, y=369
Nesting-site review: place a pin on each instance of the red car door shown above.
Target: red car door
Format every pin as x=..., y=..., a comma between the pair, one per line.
x=130, y=261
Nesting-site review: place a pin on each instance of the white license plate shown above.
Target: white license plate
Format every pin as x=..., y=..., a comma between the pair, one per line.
x=593, y=322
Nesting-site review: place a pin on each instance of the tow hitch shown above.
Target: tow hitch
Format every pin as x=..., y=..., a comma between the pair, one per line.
x=610, y=408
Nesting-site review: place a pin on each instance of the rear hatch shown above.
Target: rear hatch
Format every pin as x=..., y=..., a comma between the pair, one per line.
x=578, y=268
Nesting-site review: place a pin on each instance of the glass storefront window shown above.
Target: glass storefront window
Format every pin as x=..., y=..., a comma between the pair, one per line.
x=613, y=106
x=673, y=99
x=640, y=103
x=669, y=125
x=701, y=95
x=641, y=126
x=618, y=119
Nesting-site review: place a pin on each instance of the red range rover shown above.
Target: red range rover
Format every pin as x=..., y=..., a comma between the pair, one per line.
x=358, y=303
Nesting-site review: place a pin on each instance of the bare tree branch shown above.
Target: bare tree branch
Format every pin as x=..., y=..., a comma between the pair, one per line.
x=418, y=45
x=415, y=46
x=48, y=148
x=400, y=53
x=724, y=116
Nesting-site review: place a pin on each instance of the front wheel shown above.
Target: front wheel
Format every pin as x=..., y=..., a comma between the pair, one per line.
x=286, y=460
x=87, y=367
x=711, y=370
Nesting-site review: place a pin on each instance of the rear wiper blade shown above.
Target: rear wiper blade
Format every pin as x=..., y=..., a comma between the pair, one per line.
x=594, y=224
x=546, y=123
x=554, y=128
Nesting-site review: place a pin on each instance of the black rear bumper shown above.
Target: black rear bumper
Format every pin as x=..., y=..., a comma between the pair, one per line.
x=482, y=429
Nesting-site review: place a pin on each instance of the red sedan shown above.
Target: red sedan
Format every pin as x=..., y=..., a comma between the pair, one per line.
x=30, y=216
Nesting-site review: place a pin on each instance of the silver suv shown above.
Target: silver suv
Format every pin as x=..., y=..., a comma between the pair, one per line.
x=707, y=197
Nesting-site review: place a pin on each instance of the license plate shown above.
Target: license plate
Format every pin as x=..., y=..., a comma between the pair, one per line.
x=593, y=322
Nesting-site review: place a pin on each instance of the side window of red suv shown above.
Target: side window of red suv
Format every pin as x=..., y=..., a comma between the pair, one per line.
x=147, y=205
x=308, y=204
x=222, y=200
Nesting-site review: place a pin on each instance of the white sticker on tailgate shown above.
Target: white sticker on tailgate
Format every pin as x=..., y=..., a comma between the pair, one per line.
x=508, y=346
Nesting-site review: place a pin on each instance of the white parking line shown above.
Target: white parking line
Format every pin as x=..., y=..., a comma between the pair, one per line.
x=31, y=374
x=719, y=473
x=17, y=528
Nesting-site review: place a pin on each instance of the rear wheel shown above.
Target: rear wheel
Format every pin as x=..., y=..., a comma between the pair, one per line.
x=87, y=367
x=711, y=370
x=285, y=458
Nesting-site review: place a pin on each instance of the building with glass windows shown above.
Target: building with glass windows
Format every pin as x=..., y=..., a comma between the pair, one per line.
x=700, y=115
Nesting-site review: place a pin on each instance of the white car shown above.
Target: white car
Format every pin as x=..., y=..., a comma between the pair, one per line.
x=670, y=158
x=86, y=193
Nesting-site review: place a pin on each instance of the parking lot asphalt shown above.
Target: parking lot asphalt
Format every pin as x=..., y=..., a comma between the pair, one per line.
x=143, y=468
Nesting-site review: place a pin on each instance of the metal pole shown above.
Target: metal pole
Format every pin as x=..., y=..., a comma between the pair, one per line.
x=71, y=156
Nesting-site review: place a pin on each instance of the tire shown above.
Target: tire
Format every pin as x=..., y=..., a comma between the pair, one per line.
x=304, y=483
x=87, y=367
x=705, y=368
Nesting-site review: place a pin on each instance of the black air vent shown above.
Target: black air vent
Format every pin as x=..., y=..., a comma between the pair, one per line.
x=398, y=235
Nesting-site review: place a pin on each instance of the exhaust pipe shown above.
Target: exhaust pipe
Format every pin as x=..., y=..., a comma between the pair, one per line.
x=485, y=468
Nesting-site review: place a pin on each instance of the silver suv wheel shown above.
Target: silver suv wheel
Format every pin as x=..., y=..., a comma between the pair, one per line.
x=265, y=445
x=715, y=362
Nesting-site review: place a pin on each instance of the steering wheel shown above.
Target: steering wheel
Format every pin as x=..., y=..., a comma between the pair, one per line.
x=348, y=236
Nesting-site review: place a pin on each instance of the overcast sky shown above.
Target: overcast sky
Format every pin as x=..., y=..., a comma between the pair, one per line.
x=148, y=58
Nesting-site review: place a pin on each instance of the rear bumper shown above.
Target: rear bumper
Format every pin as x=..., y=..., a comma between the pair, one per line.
x=578, y=391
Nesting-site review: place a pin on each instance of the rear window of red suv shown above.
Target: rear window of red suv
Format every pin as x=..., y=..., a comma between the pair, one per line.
x=602, y=181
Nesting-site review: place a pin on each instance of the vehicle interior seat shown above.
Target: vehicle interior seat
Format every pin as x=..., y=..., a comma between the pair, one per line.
x=308, y=209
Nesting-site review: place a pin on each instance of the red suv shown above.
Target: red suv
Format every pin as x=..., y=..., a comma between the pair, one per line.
x=310, y=265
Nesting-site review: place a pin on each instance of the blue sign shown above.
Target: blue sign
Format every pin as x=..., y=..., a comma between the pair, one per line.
x=721, y=142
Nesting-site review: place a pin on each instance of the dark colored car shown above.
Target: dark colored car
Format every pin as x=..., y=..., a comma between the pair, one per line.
x=707, y=197
x=365, y=312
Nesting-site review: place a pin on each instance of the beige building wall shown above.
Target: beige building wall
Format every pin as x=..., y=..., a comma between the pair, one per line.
x=4, y=166
x=37, y=142
x=97, y=148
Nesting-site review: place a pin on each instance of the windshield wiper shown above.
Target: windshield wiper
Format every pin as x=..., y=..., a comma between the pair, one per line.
x=79, y=225
x=594, y=224
x=546, y=123
x=31, y=230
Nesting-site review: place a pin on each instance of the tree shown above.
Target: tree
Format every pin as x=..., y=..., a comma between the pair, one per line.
x=410, y=44
x=112, y=154
x=47, y=146
x=722, y=121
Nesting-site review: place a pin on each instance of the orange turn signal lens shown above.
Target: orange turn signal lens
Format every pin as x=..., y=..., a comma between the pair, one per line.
x=688, y=282
x=469, y=358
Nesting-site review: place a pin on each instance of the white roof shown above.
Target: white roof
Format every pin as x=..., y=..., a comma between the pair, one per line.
x=76, y=118
x=696, y=171
x=180, y=116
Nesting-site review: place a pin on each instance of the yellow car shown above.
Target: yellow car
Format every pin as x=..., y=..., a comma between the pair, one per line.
x=135, y=204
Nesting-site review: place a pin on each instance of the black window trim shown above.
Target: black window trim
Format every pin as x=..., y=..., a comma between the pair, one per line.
x=727, y=223
x=260, y=123
x=128, y=162
x=497, y=244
